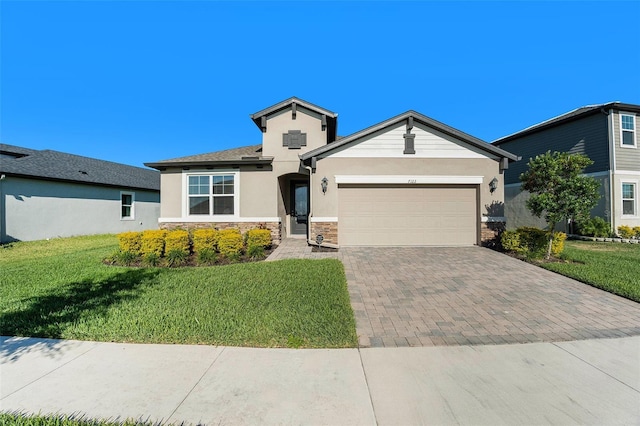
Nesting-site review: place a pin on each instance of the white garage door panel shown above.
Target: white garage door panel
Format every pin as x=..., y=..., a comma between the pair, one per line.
x=405, y=216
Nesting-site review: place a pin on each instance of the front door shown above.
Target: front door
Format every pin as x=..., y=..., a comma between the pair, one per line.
x=299, y=207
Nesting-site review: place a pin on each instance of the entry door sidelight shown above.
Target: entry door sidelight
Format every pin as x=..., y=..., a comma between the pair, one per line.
x=299, y=207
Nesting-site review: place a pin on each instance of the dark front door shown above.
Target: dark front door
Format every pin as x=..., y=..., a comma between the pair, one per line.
x=299, y=207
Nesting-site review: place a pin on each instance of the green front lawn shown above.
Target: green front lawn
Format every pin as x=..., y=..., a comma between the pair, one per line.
x=614, y=267
x=18, y=419
x=60, y=289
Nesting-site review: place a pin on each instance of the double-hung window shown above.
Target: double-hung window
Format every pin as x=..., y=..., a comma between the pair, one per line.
x=126, y=205
x=629, y=197
x=211, y=194
x=628, y=130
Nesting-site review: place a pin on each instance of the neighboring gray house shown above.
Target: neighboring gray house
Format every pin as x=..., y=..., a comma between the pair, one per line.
x=47, y=194
x=407, y=181
x=608, y=135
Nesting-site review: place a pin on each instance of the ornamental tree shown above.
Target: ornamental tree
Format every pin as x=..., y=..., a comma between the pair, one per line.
x=558, y=188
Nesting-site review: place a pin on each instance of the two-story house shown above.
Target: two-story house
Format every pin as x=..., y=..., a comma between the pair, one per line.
x=409, y=180
x=608, y=135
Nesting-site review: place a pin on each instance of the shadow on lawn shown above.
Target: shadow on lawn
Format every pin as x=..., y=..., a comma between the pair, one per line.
x=50, y=314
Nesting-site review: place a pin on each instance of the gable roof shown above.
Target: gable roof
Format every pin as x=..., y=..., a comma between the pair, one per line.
x=568, y=117
x=60, y=166
x=251, y=154
x=441, y=127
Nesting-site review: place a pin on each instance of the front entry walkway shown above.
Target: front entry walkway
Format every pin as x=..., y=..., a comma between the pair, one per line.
x=438, y=296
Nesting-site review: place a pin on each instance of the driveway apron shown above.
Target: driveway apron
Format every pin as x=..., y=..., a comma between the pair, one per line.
x=440, y=296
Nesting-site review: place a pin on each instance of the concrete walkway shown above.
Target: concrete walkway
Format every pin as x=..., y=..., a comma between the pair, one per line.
x=449, y=296
x=583, y=382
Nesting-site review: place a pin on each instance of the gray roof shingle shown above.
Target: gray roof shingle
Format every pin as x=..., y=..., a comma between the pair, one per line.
x=244, y=154
x=55, y=165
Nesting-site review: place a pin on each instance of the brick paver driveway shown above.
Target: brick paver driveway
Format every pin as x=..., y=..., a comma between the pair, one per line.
x=470, y=295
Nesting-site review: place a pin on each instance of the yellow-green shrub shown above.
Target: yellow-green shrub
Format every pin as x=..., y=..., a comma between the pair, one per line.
x=636, y=231
x=510, y=241
x=258, y=237
x=625, y=231
x=130, y=242
x=153, y=241
x=230, y=243
x=557, y=244
x=204, y=239
x=177, y=240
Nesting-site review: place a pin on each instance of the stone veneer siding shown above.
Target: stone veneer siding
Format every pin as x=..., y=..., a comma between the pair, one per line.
x=490, y=231
x=274, y=227
x=329, y=230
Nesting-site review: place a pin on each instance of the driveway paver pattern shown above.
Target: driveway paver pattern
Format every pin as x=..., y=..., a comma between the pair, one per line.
x=440, y=296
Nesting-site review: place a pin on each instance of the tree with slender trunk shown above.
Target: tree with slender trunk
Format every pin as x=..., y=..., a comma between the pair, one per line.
x=558, y=188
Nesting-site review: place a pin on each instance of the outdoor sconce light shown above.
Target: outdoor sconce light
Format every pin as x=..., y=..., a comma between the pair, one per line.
x=324, y=183
x=319, y=239
x=493, y=185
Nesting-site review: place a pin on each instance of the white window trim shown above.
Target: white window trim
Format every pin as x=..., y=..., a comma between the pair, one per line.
x=133, y=205
x=635, y=129
x=210, y=217
x=635, y=199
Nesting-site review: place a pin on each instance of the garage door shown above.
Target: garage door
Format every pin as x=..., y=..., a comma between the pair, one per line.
x=407, y=215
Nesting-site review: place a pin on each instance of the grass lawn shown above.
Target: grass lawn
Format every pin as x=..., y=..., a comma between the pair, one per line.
x=60, y=289
x=613, y=267
x=16, y=419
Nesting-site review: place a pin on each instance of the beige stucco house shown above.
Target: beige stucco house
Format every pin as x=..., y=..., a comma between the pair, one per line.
x=409, y=180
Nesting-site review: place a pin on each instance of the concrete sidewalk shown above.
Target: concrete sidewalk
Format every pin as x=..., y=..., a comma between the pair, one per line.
x=579, y=382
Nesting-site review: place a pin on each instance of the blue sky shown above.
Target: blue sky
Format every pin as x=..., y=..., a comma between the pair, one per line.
x=137, y=82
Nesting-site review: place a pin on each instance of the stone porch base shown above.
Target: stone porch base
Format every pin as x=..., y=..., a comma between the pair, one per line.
x=328, y=230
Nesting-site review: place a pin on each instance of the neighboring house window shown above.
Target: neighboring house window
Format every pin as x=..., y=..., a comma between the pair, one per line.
x=628, y=128
x=629, y=199
x=126, y=205
x=212, y=194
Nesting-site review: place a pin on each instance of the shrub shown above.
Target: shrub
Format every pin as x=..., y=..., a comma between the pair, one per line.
x=176, y=257
x=260, y=237
x=207, y=256
x=594, y=227
x=557, y=244
x=130, y=241
x=230, y=243
x=636, y=231
x=204, y=239
x=625, y=231
x=255, y=251
x=153, y=242
x=177, y=240
x=126, y=258
x=532, y=242
x=510, y=241
x=151, y=259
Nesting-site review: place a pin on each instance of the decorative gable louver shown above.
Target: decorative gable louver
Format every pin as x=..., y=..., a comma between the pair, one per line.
x=294, y=139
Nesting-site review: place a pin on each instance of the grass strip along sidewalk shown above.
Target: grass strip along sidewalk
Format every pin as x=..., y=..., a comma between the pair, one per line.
x=61, y=289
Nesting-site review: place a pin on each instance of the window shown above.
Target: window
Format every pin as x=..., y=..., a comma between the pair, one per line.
x=126, y=205
x=212, y=194
x=629, y=199
x=628, y=130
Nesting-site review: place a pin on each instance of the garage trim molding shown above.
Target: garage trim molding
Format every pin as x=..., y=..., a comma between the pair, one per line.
x=407, y=179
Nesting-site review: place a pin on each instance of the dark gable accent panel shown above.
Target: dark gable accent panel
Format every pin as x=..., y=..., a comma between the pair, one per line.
x=294, y=139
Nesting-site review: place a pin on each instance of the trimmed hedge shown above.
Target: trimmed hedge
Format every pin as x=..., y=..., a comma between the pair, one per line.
x=130, y=242
x=625, y=231
x=177, y=240
x=153, y=241
x=258, y=237
x=230, y=243
x=204, y=239
x=532, y=242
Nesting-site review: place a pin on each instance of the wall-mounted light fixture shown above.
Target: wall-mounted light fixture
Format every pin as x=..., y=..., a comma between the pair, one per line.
x=493, y=185
x=324, y=183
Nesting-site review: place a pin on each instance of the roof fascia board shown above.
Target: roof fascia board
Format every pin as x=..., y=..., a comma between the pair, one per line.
x=429, y=122
x=266, y=160
x=285, y=104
